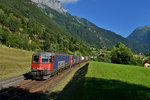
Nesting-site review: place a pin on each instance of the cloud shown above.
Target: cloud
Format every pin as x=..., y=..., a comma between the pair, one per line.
x=68, y=1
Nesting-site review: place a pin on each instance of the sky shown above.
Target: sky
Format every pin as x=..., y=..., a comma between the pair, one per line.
x=119, y=16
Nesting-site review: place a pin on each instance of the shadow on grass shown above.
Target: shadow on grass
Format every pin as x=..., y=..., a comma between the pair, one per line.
x=72, y=89
x=103, y=89
x=86, y=88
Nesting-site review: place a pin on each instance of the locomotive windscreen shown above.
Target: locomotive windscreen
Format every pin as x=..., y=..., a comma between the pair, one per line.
x=45, y=59
x=35, y=59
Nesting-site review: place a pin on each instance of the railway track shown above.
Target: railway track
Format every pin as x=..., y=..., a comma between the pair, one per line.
x=8, y=82
x=17, y=88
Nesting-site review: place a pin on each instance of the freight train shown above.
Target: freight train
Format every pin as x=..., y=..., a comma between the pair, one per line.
x=46, y=64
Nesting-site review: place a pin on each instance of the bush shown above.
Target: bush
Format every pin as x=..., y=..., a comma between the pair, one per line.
x=122, y=55
x=104, y=58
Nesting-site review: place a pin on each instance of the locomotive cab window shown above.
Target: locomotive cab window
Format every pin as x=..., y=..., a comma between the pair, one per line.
x=50, y=59
x=35, y=59
x=45, y=59
x=53, y=58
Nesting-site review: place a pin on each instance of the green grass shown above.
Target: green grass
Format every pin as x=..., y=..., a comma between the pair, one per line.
x=107, y=81
x=14, y=62
x=126, y=73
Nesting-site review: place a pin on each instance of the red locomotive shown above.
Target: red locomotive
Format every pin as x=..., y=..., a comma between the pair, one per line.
x=46, y=64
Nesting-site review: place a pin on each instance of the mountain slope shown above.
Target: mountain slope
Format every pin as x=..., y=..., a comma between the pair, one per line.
x=28, y=23
x=84, y=29
x=89, y=32
x=140, y=35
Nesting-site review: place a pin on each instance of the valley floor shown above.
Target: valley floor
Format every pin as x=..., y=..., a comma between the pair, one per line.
x=93, y=81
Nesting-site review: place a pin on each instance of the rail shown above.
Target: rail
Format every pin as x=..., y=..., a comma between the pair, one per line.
x=11, y=81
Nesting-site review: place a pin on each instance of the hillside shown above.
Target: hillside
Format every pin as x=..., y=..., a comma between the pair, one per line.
x=140, y=35
x=84, y=29
x=14, y=62
x=87, y=31
x=106, y=81
x=23, y=25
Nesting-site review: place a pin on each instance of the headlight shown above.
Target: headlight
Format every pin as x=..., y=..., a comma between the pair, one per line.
x=45, y=68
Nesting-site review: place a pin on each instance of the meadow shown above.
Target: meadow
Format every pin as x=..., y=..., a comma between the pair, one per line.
x=14, y=62
x=107, y=81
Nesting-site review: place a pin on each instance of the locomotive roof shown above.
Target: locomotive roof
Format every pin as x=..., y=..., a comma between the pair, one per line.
x=50, y=53
x=43, y=53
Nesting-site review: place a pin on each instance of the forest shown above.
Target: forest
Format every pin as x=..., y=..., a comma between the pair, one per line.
x=30, y=29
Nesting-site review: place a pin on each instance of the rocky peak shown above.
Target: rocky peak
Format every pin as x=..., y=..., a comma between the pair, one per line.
x=54, y=4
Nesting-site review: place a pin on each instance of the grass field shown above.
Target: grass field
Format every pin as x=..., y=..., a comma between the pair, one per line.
x=14, y=62
x=106, y=81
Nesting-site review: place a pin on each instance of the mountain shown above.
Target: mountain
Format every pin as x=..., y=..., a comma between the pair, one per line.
x=54, y=4
x=23, y=25
x=86, y=30
x=39, y=26
x=140, y=35
x=80, y=27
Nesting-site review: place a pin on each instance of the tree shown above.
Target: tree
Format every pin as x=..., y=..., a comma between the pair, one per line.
x=33, y=46
x=47, y=44
x=1, y=33
x=23, y=41
x=122, y=55
x=1, y=15
x=13, y=40
x=104, y=58
x=13, y=22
